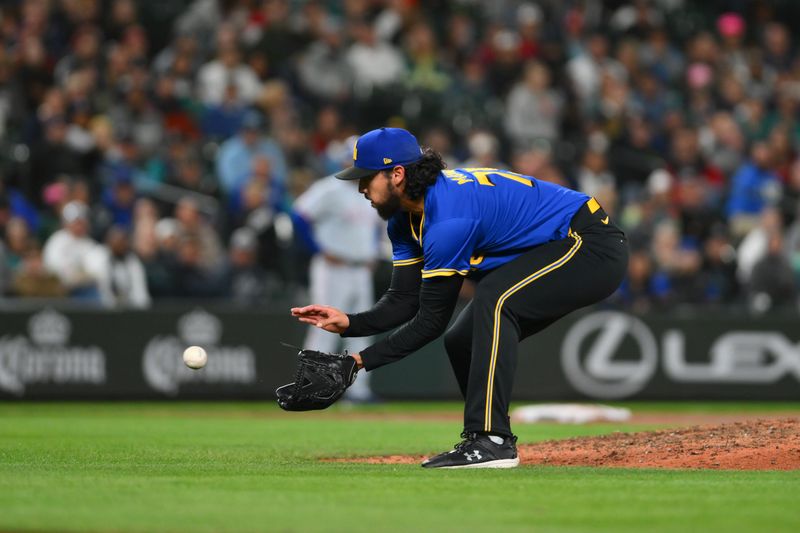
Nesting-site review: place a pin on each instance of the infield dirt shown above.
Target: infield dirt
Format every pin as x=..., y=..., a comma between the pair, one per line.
x=764, y=444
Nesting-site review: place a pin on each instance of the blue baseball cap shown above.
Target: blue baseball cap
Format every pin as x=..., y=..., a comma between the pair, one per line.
x=379, y=150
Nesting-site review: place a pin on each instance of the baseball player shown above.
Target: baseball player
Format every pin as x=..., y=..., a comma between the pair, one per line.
x=536, y=250
x=347, y=231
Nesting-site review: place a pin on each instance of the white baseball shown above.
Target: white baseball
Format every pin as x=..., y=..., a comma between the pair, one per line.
x=195, y=357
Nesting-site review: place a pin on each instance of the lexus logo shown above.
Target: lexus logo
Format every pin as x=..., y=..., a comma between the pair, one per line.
x=594, y=361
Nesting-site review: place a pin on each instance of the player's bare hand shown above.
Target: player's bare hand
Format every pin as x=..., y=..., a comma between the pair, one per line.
x=322, y=316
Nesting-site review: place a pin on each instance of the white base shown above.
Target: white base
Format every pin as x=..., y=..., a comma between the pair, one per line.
x=499, y=463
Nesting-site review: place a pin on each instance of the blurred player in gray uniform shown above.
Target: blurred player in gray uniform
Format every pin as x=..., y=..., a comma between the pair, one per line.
x=347, y=231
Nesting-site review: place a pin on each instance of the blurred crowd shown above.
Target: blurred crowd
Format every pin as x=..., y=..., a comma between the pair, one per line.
x=152, y=150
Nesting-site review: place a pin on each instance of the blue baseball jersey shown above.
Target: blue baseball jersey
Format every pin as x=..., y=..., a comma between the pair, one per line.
x=477, y=219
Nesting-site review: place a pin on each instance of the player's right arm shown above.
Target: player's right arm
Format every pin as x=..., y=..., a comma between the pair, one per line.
x=401, y=302
x=397, y=306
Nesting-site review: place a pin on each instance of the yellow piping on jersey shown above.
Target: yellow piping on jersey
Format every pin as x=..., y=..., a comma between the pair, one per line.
x=422, y=222
x=411, y=225
x=405, y=262
x=487, y=424
x=417, y=235
x=443, y=272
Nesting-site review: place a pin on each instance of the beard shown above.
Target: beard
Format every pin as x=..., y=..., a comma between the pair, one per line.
x=390, y=207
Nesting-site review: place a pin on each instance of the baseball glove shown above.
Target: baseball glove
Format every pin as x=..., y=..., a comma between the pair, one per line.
x=321, y=379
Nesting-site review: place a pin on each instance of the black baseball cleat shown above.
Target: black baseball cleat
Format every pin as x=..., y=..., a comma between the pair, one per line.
x=477, y=451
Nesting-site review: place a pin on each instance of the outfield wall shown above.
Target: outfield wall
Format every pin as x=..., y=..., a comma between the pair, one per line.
x=605, y=355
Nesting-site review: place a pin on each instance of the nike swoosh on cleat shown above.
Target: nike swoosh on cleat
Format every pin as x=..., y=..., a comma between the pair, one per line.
x=604, y=220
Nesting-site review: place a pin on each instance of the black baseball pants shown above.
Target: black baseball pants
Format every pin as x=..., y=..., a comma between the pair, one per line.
x=522, y=298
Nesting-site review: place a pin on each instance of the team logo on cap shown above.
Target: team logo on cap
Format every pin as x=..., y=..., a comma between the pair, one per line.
x=355, y=151
x=386, y=160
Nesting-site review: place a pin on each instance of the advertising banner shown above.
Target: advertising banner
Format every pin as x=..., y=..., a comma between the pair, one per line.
x=601, y=355
x=53, y=354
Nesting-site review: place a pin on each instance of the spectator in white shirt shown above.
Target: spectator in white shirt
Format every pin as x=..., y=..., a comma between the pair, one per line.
x=375, y=64
x=533, y=109
x=227, y=69
x=68, y=253
x=586, y=70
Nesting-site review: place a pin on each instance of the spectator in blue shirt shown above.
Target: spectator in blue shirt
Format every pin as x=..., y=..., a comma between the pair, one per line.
x=119, y=197
x=236, y=155
x=752, y=187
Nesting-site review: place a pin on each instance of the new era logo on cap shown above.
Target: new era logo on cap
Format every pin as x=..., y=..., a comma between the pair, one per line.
x=381, y=149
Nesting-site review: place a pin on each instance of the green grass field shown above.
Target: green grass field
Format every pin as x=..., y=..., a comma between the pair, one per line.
x=249, y=467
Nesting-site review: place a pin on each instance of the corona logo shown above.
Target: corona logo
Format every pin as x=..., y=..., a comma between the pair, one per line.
x=46, y=358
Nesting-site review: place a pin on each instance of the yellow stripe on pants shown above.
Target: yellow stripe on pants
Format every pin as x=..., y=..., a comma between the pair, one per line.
x=487, y=424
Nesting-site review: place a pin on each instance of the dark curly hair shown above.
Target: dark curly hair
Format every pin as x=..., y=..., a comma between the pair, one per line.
x=423, y=173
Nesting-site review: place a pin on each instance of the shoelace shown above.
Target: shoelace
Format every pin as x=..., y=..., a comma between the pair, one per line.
x=468, y=439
